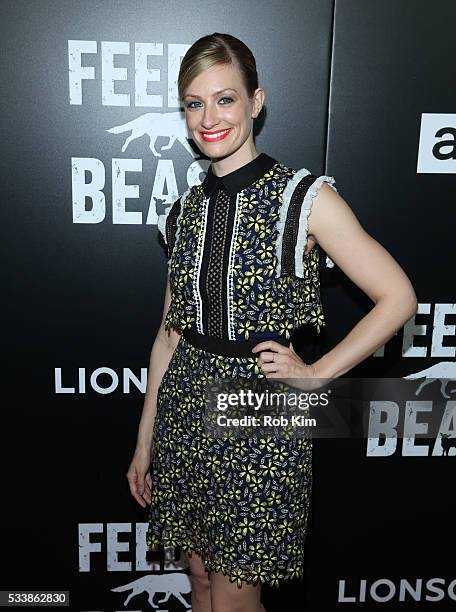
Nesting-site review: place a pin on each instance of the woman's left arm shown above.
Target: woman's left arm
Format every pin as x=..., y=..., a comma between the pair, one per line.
x=370, y=266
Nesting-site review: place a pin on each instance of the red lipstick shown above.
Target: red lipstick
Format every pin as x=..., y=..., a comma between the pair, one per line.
x=215, y=136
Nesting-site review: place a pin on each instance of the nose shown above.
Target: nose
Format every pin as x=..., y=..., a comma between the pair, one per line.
x=210, y=118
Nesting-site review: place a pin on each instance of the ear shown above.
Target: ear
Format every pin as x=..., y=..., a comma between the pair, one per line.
x=258, y=101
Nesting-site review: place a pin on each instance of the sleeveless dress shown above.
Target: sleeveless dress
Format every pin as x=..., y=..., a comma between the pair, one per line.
x=237, y=271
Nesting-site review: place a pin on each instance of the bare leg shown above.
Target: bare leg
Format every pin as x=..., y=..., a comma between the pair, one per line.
x=227, y=596
x=201, y=586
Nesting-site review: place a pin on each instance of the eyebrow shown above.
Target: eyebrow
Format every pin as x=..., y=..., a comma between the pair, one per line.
x=216, y=93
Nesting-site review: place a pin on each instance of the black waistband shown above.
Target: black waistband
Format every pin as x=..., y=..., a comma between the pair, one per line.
x=228, y=348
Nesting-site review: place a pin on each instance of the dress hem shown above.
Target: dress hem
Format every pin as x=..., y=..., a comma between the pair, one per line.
x=236, y=574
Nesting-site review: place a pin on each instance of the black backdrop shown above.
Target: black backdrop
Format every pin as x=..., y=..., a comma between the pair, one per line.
x=355, y=89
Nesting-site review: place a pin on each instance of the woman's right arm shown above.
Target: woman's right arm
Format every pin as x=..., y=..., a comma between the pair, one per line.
x=162, y=350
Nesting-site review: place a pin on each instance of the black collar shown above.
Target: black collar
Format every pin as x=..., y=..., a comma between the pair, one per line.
x=240, y=178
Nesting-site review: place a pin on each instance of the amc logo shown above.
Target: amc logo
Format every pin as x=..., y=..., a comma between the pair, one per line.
x=437, y=146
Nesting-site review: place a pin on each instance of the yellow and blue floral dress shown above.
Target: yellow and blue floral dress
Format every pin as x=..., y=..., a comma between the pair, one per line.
x=238, y=275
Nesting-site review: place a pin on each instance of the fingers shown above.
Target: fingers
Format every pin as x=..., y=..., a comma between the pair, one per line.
x=269, y=357
x=271, y=368
x=137, y=487
x=270, y=345
x=136, y=495
x=276, y=359
x=148, y=489
x=273, y=359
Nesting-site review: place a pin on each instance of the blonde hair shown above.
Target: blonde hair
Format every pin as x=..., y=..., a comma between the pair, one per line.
x=214, y=49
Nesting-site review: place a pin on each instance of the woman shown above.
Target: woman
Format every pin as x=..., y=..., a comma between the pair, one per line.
x=244, y=256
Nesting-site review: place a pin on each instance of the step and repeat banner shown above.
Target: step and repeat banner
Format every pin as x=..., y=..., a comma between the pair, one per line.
x=94, y=148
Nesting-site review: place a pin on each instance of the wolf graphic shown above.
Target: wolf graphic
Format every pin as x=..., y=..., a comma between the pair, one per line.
x=443, y=371
x=447, y=442
x=154, y=125
x=174, y=583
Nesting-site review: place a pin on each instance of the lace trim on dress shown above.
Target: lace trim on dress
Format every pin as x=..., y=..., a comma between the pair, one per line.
x=235, y=571
x=198, y=263
x=162, y=220
x=183, y=198
x=281, y=222
x=230, y=276
x=303, y=222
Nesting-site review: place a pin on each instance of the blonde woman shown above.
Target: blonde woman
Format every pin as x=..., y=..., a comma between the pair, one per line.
x=244, y=252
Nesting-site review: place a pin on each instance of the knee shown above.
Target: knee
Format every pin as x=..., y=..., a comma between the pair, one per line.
x=200, y=580
x=223, y=602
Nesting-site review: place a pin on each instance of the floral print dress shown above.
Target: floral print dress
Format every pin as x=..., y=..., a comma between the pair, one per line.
x=237, y=272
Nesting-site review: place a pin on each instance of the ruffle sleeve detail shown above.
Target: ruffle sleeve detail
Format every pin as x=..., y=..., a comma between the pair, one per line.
x=306, y=207
x=161, y=221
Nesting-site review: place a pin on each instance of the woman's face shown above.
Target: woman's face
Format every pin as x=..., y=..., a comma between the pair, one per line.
x=218, y=111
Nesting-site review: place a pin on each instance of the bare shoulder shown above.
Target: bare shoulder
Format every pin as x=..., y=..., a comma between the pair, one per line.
x=329, y=207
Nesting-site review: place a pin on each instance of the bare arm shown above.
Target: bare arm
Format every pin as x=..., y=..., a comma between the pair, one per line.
x=369, y=265
x=165, y=343
x=162, y=350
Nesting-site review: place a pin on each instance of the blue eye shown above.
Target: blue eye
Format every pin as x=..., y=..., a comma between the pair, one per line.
x=229, y=100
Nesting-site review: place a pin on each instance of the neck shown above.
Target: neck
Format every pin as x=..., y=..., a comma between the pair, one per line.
x=244, y=155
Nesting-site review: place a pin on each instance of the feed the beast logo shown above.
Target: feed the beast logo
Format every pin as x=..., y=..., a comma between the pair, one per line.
x=94, y=74
x=437, y=146
x=428, y=426
x=143, y=585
